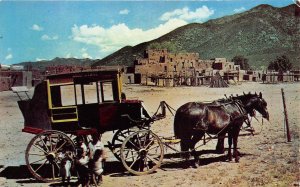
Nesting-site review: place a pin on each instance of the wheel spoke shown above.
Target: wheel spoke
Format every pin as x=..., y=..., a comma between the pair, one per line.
x=38, y=160
x=145, y=137
x=152, y=159
x=40, y=166
x=153, y=147
x=57, y=165
x=60, y=146
x=138, y=139
x=128, y=153
x=134, y=161
x=133, y=155
x=54, y=146
x=133, y=144
x=53, y=171
x=35, y=154
x=40, y=148
x=44, y=143
x=149, y=144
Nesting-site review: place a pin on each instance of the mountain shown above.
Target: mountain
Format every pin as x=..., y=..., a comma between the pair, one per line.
x=58, y=61
x=259, y=34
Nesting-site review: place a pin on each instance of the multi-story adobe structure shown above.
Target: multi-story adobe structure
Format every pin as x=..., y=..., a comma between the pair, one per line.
x=169, y=67
x=182, y=68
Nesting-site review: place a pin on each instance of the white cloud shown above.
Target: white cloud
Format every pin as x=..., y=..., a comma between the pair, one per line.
x=36, y=27
x=68, y=55
x=120, y=35
x=241, y=9
x=9, y=56
x=200, y=14
x=124, y=11
x=40, y=59
x=47, y=37
x=86, y=55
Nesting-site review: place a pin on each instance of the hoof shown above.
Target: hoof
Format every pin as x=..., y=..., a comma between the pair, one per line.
x=237, y=159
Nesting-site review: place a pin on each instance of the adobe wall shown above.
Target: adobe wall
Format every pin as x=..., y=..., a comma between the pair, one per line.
x=4, y=83
x=15, y=78
x=162, y=63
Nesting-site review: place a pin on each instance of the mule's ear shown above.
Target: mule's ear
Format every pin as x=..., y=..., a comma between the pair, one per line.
x=255, y=93
x=260, y=94
x=249, y=93
x=244, y=93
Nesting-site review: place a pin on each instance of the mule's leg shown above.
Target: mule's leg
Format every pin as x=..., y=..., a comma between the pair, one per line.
x=220, y=145
x=229, y=145
x=235, y=142
x=185, y=145
x=195, y=139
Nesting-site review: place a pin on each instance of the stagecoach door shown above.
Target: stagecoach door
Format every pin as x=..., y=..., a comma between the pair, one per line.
x=97, y=101
x=62, y=108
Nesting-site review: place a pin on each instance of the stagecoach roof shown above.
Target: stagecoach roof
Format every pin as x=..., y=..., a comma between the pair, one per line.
x=86, y=76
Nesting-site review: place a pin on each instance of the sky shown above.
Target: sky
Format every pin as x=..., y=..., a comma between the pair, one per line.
x=43, y=30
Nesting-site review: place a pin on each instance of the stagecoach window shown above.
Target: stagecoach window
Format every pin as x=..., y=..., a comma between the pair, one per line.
x=107, y=91
x=67, y=95
x=90, y=93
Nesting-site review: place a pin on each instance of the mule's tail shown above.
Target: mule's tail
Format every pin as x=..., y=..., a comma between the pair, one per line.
x=178, y=125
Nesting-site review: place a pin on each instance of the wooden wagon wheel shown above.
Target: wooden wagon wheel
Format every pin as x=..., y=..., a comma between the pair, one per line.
x=118, y=139
x=45, y=152
x=142, y=152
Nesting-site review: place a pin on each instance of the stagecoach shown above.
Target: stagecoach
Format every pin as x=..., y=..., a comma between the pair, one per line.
x=65, y=106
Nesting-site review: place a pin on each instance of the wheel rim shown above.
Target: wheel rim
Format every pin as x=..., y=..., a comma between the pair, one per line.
x=45, y=152
x=142, y=152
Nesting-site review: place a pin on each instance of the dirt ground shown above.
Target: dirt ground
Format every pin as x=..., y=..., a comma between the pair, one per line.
x=267, y=158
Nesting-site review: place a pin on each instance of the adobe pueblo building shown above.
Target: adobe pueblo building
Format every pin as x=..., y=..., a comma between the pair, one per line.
x=162, y=68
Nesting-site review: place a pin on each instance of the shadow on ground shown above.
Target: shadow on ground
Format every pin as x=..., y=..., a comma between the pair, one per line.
x=116, y=169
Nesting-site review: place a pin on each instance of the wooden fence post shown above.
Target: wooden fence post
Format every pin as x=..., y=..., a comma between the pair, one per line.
x=286, y=117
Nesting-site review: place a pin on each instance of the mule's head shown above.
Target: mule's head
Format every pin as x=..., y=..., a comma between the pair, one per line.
x=256, y=102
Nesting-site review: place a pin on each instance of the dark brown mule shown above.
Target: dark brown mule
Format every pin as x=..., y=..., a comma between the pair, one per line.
x=194, y=119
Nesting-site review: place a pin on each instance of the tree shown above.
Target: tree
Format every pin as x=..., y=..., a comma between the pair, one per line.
x=242, y=61
x=280, y=64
